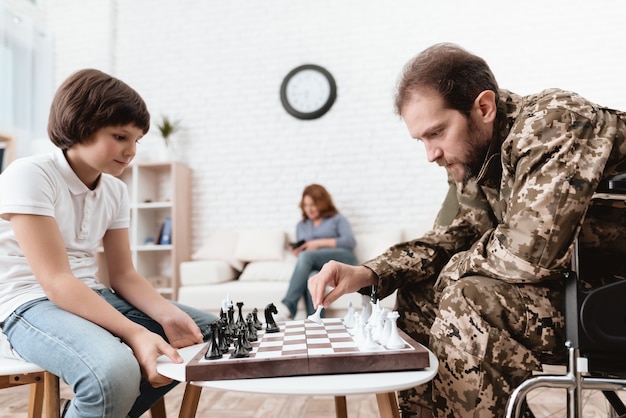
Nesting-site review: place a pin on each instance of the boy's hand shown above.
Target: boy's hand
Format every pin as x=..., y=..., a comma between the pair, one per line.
x=147, y=347
x=181, y=330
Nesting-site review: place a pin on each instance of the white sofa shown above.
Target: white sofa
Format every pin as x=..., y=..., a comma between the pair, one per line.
x=254, y=266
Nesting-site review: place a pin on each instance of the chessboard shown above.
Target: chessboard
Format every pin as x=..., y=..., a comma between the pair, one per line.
x=306, y=347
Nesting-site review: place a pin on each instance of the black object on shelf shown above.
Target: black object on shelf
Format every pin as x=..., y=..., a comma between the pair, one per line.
x=165, y=237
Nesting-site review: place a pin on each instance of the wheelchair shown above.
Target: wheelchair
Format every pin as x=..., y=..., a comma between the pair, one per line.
x=595, y=327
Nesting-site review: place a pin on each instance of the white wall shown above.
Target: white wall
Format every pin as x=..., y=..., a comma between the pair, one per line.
x=218, y=66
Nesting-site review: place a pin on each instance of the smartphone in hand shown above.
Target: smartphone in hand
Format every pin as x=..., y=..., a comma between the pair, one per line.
x=295, y=245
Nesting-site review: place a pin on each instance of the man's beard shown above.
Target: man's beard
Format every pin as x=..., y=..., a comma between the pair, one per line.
x=476, y=151
x=475, y=160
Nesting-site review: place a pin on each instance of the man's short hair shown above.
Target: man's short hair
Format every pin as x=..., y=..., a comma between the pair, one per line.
x=457, y=75
x=90, y=100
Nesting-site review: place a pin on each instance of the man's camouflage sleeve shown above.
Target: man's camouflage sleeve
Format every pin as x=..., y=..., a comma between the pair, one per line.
x=460, y=221
x=519, y=225
x=552, y=160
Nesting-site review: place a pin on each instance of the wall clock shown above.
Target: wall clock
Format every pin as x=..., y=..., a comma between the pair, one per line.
x=308, y=91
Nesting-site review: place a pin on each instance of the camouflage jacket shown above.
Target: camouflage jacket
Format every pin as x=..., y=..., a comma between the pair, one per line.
x=518, y=218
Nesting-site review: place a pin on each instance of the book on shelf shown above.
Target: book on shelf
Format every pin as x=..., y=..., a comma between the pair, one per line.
x=165, y=237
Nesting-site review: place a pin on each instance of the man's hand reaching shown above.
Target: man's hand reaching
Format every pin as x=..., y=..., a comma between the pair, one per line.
x=341, y=278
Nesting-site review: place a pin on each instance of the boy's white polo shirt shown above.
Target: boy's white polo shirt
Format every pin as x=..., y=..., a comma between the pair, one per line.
x=46, y=185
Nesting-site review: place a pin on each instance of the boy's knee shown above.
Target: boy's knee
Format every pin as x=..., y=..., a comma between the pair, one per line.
x=115, y=383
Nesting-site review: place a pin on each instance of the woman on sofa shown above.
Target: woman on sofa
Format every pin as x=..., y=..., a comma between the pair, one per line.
x=322, y=235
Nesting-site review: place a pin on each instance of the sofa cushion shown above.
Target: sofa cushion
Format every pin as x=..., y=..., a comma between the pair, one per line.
x=203, y=272
x=260, y=245
x=268, y=271
x=371, y=244
x=220, y=246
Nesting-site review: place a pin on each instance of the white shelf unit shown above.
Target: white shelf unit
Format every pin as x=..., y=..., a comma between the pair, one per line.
x=158, y=190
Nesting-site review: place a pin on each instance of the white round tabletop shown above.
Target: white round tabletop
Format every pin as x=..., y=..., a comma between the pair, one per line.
x=335, y=385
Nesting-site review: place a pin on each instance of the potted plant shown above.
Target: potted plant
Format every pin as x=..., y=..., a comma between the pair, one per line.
x=167, y=127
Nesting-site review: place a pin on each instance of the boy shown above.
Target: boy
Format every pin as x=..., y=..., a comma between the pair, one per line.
x=55, y=210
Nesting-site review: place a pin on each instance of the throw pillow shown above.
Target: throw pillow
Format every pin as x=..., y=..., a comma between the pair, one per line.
x=260, y=245
x=220, y=246
x=373, y=243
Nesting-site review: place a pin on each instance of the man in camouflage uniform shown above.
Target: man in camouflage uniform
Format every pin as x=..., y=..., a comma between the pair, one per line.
x=484, y=288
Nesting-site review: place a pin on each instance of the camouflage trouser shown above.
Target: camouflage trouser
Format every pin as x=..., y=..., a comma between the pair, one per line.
x=488, y=335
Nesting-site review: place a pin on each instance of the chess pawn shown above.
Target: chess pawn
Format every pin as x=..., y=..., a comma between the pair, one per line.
x=368, y=343
x=359, y=328
x=251, y=334
x=395, y=342
x=213, y=352
x=348, y=320
x=255, y=317
x=355, y=322
x=244, y=339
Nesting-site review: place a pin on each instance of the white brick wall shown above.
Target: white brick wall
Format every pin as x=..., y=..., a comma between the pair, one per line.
x=218, y=66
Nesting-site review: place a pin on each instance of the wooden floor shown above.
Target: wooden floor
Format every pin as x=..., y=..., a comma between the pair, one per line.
x=216, y=403
x=548, y=403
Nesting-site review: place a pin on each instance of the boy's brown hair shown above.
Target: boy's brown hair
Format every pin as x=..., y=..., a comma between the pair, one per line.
x=90, y=100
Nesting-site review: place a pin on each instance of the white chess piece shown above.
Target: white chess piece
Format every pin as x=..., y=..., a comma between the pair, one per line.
x=368, y=343
x=379, y=326
x=355, y=323
x=226, y=303
x=359, y=325
x=384, y=337
x=395, y=342
x=365, y=308
x=317, y=316
x=375, y=313
x=348, y=320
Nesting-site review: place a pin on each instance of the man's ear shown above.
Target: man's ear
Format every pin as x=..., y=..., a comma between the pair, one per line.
x=485, y=106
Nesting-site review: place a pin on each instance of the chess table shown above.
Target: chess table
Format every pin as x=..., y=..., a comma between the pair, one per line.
x=306, y=348
x=338, y=384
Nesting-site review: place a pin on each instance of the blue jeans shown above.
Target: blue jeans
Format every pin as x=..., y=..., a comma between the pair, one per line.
x=310, y=262
x=101, y=370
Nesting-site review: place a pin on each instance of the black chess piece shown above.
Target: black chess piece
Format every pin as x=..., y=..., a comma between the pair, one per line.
x=269, y=318
x=240, y=320
x=231, y=318
x=251, y=334
x=224, y=338
x=227, y=332
x=213, y=351
x=240, y=349
x=257, y=324
x=244, y=339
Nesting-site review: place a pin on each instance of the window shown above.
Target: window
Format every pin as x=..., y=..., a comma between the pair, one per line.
x=26, y=79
